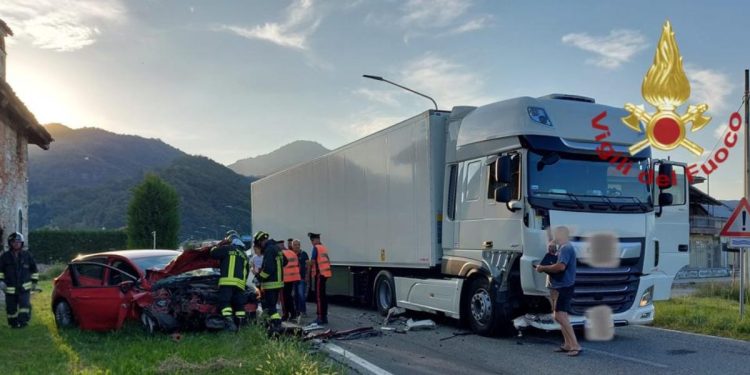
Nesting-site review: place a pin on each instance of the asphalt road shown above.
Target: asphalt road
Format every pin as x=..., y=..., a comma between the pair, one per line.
x=634, y=350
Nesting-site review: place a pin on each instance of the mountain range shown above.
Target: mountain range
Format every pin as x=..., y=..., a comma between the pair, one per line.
x=282, y=158
x=84, y=181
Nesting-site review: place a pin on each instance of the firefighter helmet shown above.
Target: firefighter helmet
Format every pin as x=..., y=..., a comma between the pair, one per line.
x=15, y=236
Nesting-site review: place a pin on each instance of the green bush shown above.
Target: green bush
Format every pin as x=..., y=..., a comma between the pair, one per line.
x=53, y=271
x=54, y=246
x=726, y=291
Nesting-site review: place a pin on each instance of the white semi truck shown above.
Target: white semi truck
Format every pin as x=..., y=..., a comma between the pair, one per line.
x=446, y=212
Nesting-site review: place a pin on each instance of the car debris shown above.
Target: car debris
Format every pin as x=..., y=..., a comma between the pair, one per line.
x=414, y=325
x=457, y=334
x=393, y=312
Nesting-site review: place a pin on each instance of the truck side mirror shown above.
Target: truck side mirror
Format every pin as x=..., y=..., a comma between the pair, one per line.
x=502, y=170
x=665, y=199
x=664, y=178
x=502, y=194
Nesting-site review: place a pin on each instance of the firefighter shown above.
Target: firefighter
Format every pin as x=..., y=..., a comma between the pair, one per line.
x=320, y=271
x=291, y=278
x=271, y=278
x=234, y=268
x=18, y=277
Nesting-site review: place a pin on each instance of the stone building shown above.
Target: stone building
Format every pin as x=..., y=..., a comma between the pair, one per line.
x=18, y=129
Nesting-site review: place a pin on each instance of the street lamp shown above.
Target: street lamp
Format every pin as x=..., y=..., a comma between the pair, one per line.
x=379, y=78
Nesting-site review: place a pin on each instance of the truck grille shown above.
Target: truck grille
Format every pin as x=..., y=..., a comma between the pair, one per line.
x=614, y=287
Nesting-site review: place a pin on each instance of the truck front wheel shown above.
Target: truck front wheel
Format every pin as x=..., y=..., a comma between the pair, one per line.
x=479, y=307
x=385, y=292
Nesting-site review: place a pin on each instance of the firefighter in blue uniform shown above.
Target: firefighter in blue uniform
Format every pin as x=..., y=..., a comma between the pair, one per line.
x=234, y=268
x=18, y=277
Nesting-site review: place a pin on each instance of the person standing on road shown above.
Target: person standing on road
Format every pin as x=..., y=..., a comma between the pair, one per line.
x=562, y=279
x=18, y=277
x=300, y=294
x=291, y=278
x=271, y=278
x=234, y=268
x=320, y=269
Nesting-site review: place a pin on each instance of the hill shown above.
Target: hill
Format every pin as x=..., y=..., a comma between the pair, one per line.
x=284, y=157
x=85, y=182
x=91, y=157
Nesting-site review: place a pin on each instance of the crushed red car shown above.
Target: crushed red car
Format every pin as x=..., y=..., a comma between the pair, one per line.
x=165, y=290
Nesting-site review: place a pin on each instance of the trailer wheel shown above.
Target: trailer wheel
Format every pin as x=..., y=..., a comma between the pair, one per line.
x=385, y=292
x=479, y=307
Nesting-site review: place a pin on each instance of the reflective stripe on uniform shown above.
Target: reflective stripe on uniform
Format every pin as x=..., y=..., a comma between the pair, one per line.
x=275, y=316
x=27, y=285
x=240, y=313
x=34, y=276
x=227, y=311
x=10, y=290
x=11, y=316
x=291, y=270
x=2, y=275
x=232, y=261
x=231, y=281
x=24, y=310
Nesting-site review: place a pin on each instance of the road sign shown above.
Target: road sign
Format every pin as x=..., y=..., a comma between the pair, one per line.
x=738, y=224
x=738, y=242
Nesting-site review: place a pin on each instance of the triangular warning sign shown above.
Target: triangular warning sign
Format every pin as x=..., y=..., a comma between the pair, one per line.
x=738, y=224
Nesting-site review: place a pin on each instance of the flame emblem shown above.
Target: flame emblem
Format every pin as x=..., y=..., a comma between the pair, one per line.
x=666, y=87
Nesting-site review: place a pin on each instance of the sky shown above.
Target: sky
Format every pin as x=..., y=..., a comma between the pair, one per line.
x=233, y=79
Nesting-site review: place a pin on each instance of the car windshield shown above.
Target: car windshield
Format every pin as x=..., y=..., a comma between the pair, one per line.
x=584, y=182
x=153, y=262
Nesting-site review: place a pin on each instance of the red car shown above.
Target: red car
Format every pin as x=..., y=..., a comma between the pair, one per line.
x=164, y=289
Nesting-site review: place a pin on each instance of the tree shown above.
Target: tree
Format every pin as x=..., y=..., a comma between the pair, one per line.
x=153, y=207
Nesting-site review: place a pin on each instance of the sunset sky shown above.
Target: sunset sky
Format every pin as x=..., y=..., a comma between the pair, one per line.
x=232, y=79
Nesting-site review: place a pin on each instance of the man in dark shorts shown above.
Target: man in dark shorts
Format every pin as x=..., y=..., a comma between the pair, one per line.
x=562, y=278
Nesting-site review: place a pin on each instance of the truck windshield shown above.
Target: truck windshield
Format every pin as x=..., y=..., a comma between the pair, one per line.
x=585, y=182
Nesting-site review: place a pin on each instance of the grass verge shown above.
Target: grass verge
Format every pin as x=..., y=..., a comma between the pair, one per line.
x=712, y=310
x=43, y=349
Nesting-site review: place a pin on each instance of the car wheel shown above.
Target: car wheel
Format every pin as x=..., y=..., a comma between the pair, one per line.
x=149, y=323
x=385, y=292
x=63, y=315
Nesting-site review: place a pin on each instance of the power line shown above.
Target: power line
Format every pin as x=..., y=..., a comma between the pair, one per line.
x=724, y=132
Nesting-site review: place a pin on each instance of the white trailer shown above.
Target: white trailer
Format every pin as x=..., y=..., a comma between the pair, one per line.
x=447, y=211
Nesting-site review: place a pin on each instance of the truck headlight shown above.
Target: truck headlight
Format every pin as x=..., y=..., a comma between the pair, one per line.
x=647, y=297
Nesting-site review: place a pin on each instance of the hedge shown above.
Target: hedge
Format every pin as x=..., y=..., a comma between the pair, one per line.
x=51, y=246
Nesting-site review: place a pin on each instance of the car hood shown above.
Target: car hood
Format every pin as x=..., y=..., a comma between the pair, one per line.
x=188, y=260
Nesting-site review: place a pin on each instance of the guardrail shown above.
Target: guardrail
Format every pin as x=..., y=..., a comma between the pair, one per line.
x=702, y=273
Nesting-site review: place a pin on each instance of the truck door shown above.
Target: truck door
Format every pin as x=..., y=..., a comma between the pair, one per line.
x=672, y=225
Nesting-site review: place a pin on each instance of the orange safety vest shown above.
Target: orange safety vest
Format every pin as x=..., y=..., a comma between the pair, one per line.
x=291, y=270
x=322, y=264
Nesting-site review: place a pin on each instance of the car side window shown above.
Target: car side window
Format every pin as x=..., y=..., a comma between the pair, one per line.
x=90, y=274
x=115, y=278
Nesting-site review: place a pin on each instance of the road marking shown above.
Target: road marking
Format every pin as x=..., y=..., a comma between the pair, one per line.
x=693, y=333
x=357, y=360
x=623, y=357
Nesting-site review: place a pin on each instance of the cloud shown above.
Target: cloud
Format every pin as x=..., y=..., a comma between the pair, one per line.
x=719, y=131
x=472, y=25
x=299, y=24
x=369, y=122
x=65, y=25
x=448, y=82
x=611, y=50
x=433, y=13
x=709, y=86
x=387, y=97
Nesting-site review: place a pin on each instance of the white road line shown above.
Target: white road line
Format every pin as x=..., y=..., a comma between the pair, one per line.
x=692, y=333
x=357, y=360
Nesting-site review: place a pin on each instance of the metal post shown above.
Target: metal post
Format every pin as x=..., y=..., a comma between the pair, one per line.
x=154, y=234
x=743, y=255
x=742, y=283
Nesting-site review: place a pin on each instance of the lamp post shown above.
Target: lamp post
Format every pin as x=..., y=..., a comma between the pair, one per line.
x=379, y=78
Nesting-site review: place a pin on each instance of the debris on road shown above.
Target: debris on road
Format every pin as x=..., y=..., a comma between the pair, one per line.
x=393, y=312
x=312, y=327
x=456, y=334
x=538, y=321
x=412, y=325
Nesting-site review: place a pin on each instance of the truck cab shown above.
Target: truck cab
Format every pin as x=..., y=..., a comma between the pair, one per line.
x=517, y=168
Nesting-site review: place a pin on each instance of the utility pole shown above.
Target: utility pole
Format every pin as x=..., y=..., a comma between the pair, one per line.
x=743, y=252
x=154, y=234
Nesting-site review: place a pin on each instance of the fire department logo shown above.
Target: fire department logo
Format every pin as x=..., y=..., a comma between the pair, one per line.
x=666, y=87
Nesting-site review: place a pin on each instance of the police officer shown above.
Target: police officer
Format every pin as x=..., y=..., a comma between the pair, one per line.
x=234, y=268
x=18, y=277
x=271, y=278
x=320, y=271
